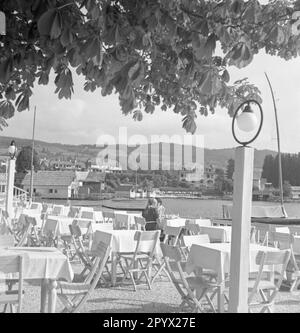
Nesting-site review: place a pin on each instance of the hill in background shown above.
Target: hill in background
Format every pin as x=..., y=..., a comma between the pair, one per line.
x=217, y=157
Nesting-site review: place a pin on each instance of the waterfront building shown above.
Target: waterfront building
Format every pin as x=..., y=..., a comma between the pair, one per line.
x=49, y=184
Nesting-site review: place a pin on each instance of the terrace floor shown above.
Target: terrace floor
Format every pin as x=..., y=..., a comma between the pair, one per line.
x=163, y=298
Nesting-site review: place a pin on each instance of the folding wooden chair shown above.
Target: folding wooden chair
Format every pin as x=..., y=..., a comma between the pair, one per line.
x=74, y=295
x=33, y=238
x=5, y=223
x=86, y=231
x=57, y=210
x=286, y=241
x=9, y=296
x=23, y=236
x=262, y=233
x=74, y=212
x=192, y=289
x=172, y=235
x=87, y=215
x=108, y=217
x=121, y=222
x=193, y=229
x=49, y=233
x=266, y=289
x=80, y=249
x=141, y=260
x=140, y=223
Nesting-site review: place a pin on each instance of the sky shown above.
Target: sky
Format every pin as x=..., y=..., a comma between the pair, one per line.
x=87, y=116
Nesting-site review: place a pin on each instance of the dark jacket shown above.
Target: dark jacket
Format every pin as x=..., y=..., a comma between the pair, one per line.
x=150, y=214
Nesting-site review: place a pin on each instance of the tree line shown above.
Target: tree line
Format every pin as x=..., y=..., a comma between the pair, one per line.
x=290, y=169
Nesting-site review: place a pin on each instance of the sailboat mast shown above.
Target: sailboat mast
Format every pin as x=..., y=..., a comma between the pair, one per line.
x=278, y=147
x=32, y=154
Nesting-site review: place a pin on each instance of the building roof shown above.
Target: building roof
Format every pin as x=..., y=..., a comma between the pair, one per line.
x=90, y=177
x=81, y=175
x=95, y=177
x=46, y=178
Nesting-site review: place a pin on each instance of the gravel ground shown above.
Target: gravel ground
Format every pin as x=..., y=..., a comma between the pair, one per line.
x=163, y=298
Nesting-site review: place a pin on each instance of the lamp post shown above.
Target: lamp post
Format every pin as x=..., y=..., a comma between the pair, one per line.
x=246, y=121
x=12, y=150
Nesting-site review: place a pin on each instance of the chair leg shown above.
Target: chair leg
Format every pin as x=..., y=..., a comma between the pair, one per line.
x=132, y=280
x=295, y=284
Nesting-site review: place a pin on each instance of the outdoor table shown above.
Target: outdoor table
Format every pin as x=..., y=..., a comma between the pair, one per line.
x=216, y=257
x=221, y=234
x=296, y=245
x=64, y=222
x=45, y=265
x=122, y=242
x=176, y=222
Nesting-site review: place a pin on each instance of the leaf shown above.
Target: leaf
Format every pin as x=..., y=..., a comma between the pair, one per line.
x=210, y=45
x=277, y=35
x=211, y=84
x=240, y=55
x=44, y=78
x=91, y=48
x=6, y=68
x=66, y=37
x=23, y=101
x=150, y=108
x=138, y=115
x=45, y=22
x=121, y=53
x=188, y=123
x=56, y=27
x=7, y=109
x=252, y=11
x=225, y=76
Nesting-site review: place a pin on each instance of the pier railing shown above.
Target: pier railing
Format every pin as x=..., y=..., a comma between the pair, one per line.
x=20, y=194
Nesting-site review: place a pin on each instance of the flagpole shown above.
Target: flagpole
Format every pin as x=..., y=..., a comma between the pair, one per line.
x=32, y=154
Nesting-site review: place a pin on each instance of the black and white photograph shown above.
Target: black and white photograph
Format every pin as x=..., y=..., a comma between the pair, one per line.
x=149, y=159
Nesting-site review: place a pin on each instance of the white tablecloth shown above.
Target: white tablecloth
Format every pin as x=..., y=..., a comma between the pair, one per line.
x=177, y=222
x=217, y=257
x=220, y=234
x=42, y=262
x=122, y=241
x=64, y=222
x=297, y=245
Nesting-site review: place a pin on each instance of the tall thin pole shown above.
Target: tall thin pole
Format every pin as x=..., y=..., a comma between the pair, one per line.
x=32, y=154
x=278, y=146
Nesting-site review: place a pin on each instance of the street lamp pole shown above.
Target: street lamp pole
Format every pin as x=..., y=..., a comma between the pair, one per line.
x=12, y=150
x=242, y=206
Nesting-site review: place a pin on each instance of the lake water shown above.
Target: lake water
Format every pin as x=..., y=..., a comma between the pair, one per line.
x=195, y=207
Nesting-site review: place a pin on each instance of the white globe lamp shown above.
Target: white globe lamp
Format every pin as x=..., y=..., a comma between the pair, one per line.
x=247, y=120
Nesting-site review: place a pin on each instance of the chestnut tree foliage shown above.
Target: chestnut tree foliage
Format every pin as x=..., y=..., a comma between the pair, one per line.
x=173, y=54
